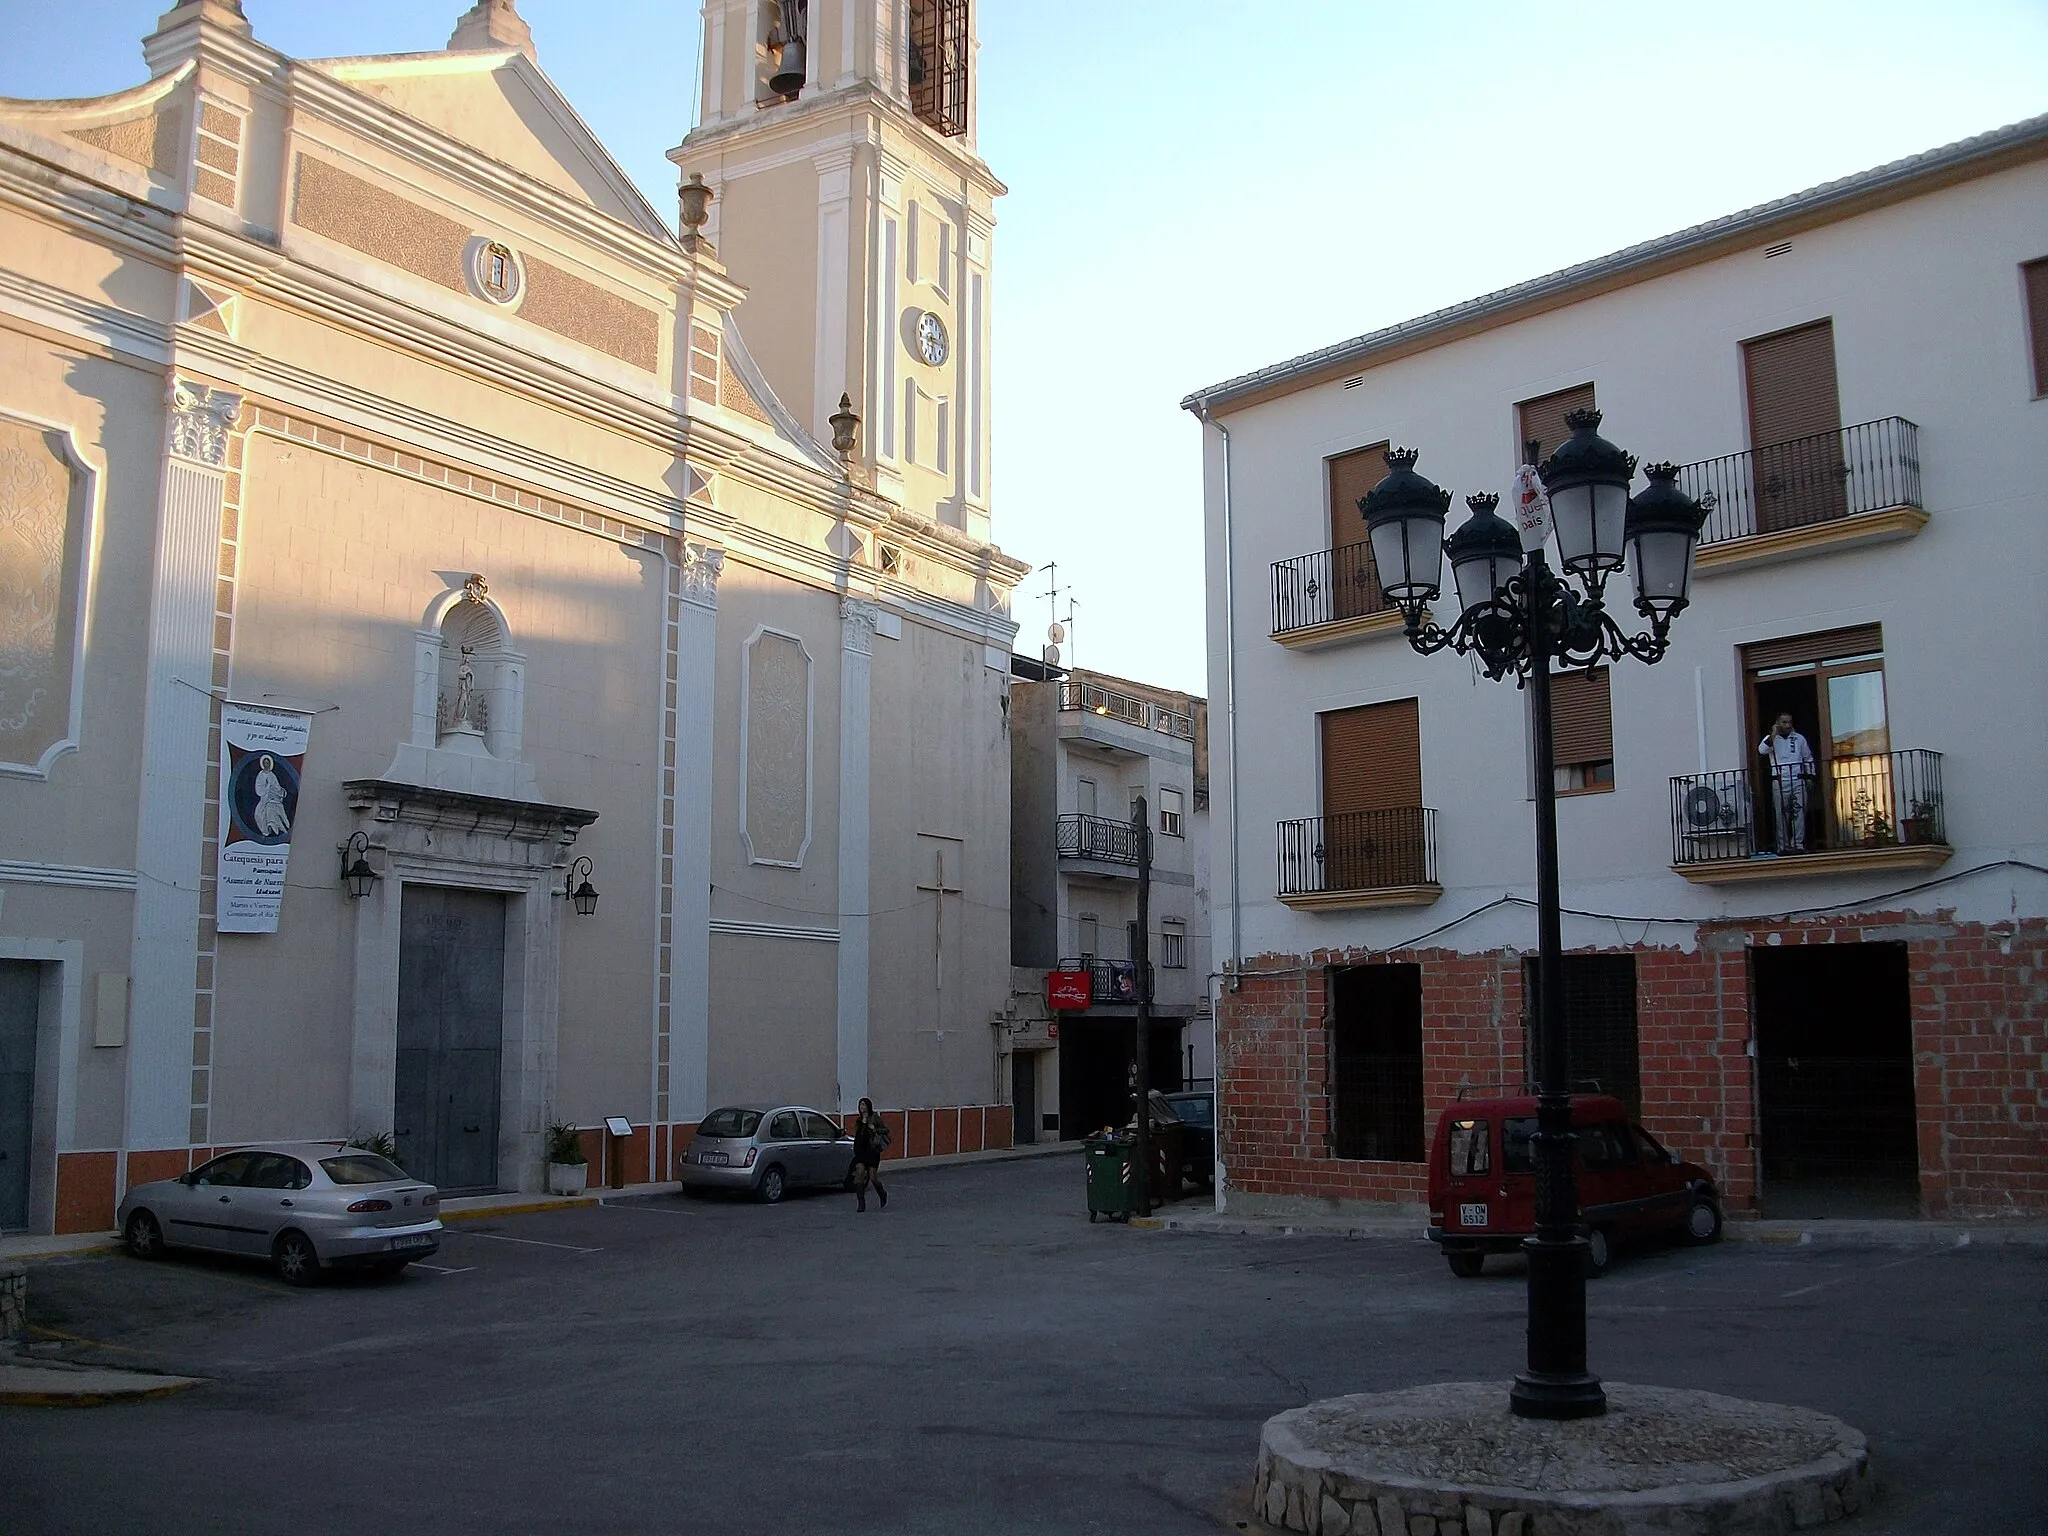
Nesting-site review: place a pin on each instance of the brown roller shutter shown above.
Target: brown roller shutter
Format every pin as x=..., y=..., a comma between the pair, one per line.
x=1828, y=645
x=2037, y=319
x=1581, y=718
x=1354, y=582
x=1372, y=758
x=1795, y=428
x=1373, y=824
x=1541, y=421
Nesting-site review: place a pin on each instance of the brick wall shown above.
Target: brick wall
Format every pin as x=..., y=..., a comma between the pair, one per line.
x=1979, y=1007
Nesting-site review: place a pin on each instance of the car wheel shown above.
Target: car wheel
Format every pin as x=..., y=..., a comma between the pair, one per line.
x=145, y=1237
x=1703, y=1221
x=1598, y=1252
x=297, y=1261
x=1466, y=1266
x=771, y=1187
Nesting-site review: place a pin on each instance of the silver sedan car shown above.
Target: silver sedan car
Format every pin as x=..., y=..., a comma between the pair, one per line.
x=305, y=1206
x=765, y=1150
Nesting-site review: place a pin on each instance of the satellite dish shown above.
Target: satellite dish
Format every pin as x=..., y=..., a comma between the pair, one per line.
x=1056, y=632
x=1050, y=654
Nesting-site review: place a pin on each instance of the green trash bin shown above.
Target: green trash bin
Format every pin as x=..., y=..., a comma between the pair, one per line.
x=1109, y=1162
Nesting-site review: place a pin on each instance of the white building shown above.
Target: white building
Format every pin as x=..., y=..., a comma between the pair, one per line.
x=1858, y=373
x=1085, y=748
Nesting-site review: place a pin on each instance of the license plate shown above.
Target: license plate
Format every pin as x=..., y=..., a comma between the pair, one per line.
x=414, y=1240
x=713, y=1159
x=1472, y=1215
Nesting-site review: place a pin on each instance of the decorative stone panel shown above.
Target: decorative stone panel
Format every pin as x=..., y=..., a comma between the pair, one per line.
x=46, y=504
x=775, y=749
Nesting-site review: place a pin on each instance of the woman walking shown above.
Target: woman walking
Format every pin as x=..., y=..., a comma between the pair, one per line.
x=870, y=1136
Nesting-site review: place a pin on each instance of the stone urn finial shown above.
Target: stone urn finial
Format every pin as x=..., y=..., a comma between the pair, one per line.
x=696, y=199
x=845, y=426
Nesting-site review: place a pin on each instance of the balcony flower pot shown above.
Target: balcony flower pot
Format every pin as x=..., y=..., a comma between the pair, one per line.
x=1916, y=829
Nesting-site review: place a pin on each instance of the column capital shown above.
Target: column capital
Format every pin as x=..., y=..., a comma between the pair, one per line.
x=201, y=418
x=857, y=625
x=702, y=565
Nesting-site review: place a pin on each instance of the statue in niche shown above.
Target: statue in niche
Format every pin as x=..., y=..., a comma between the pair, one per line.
x=467, y=711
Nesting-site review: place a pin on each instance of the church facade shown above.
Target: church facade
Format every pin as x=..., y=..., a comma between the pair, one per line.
x=472, y=658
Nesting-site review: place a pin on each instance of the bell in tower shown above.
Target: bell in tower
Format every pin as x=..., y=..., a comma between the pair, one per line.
x=787, y=40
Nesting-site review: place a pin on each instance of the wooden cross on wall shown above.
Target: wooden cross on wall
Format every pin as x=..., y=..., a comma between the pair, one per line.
x=940, y=891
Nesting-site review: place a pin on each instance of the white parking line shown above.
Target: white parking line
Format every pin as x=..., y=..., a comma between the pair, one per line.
x=1850, y=1273
x=442, y=1270
x=531, y=1242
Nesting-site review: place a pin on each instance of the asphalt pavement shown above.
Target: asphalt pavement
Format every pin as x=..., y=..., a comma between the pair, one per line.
x=976, y=1357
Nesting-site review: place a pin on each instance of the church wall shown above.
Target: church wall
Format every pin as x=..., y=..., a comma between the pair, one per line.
x=339, y=560
x=938, y=712
x=767, y=235
x=494, y=417
x=772, y=1033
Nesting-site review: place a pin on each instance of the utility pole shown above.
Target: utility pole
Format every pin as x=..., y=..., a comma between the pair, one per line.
x=1141, y=828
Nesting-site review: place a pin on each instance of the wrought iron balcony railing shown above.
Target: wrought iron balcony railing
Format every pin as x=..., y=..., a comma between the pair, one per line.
x=1099, y=838
x=1109, y=981
x=1865, y=468
x=1094, y=699
x=1358, y=851
x=1324, y=587
x=1879, y=800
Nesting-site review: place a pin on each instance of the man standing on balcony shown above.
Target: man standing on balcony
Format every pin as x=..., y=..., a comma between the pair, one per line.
x=1791, y=769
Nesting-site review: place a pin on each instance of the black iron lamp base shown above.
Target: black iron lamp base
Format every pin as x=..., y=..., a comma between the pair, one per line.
x=1536, y=1396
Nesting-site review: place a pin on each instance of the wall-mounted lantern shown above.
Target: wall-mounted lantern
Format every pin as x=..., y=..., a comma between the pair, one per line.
x=356, y=875
x=583, y=896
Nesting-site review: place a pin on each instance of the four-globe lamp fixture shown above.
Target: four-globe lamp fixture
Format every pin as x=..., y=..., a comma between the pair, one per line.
x=1509, y=610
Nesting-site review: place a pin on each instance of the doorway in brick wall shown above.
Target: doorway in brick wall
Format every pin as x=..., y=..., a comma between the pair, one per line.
x=1834, y=1081
x=1376, y=1108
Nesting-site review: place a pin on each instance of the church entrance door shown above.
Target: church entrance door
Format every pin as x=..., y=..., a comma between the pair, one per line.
x=451, y=1023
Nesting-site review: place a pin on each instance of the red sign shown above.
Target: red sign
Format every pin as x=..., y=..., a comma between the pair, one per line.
x=1069, y=989
x=1052, y=1029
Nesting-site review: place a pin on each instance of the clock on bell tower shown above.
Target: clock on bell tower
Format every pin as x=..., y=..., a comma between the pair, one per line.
x=838, y=138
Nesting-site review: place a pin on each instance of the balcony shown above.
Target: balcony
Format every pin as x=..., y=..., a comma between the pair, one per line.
x=1099, y=841
x=1837, y=490
x=1112, y=983
x=1359, y=859
x=1328, y=597
x=1882, y=811
x=1085, y=698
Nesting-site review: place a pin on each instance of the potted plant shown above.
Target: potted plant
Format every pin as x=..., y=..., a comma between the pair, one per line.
x=1878, y=831
x=1918, y=824
x=568, y=1168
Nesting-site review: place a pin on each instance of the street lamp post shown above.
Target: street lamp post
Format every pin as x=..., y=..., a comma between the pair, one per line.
x=1518, y=616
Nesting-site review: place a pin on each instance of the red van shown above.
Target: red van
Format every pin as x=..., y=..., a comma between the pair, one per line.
x=1482, y=1181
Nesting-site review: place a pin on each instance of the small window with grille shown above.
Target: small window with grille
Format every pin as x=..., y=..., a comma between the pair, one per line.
x=2035, y=274
x=1600, y=1024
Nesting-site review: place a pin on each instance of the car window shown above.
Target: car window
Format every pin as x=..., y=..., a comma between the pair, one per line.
x=818, y=1128
x=273, y=1170
x=1652, y=1149
x=1200, y=1110
x=1471, y=1147
x=361, y=1168
x=783, y=1127
x=1606, y=1145
x=729, y=1123
x=1516, y=1155
x=229, y=1172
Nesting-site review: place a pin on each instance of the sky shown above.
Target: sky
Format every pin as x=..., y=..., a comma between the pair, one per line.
x=1205, y=188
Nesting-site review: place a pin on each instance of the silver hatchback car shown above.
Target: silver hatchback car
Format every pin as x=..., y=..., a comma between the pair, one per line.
x=766, y=1150
x=305, y=1206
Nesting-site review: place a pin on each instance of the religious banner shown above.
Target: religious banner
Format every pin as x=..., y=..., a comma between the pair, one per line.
x=262, y=754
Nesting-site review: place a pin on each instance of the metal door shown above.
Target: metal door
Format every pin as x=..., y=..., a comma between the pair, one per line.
x=1024, y=1097
x=451, y=1020
x=20, y=984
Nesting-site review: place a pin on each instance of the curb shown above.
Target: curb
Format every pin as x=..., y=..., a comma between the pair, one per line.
x=12, y=1398
x=524, y=1208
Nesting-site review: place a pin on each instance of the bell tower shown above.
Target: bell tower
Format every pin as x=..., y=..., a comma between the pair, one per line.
x=838, y=139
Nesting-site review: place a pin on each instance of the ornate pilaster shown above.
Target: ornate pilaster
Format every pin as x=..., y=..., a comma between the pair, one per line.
x=856, y=652
x=689, y=692
x=182, y=683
